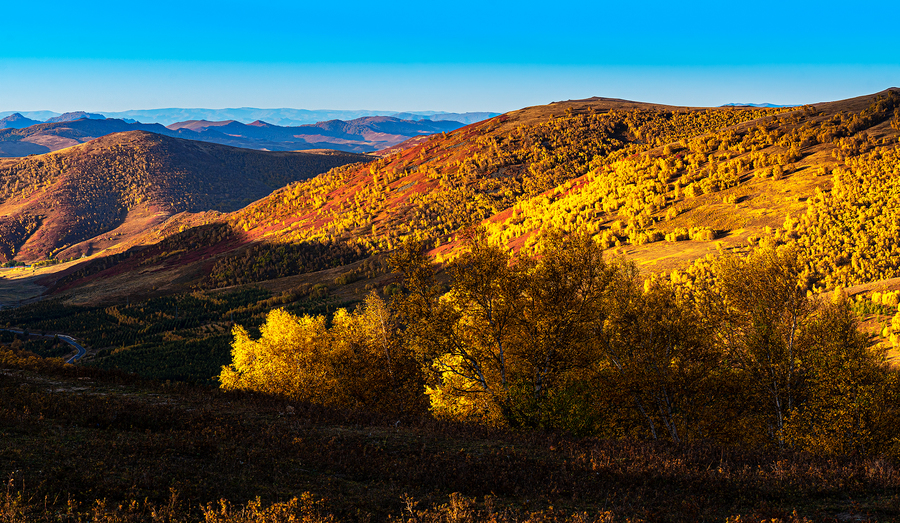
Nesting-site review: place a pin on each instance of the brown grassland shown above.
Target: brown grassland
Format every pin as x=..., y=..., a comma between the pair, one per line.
x=85, y=445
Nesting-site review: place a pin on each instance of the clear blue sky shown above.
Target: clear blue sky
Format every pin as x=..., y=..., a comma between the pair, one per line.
x=450, y=56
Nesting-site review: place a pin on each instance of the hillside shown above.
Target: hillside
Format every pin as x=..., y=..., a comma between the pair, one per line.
x=433, y=190
x=661, y=185
x=429, y=191
x=105, y=192
x=361, y=135
x=654, y=183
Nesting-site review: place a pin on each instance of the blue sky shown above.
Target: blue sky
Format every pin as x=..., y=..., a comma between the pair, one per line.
x=450, y=56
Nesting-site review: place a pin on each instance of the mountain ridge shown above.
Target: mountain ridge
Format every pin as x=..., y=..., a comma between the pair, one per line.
x=285, y=117
x=662, y=185
x=73, y=116
x=362, y=135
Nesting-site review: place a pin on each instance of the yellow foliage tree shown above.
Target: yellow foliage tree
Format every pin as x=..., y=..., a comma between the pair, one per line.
x=358, y=362
x=285, y=360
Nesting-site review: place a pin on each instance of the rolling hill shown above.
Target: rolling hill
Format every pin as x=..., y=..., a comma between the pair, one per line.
x=662, y=185
x=102, y=193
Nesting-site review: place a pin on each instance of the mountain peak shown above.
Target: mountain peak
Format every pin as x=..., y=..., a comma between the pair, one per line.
x=198, y=125
x=76, y=115
x=16, y=121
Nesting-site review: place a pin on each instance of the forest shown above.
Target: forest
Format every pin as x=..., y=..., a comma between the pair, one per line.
x=572, y=340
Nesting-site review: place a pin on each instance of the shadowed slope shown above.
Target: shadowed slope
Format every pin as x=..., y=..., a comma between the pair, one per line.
x=50, y=204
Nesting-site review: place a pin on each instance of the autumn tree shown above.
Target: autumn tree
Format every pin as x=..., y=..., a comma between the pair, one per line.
x=285, y=360
x=357, y=362
x=662, y=362
x=765, y=314
x=850, y=401
x=512, y=334
x=370, y=365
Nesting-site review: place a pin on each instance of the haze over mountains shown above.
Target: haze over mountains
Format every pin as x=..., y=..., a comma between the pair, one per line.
x=282, y=117
x=361, y=135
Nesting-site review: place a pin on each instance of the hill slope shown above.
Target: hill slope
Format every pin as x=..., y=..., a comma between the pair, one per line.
x=654, y=183
x=62, y=203
x=430, y=191
x=662, y=185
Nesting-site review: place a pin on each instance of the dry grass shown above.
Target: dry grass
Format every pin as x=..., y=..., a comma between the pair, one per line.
x=80, y=440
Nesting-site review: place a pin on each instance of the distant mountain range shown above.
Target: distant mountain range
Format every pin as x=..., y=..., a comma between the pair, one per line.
x=282, y=117
x=361, y=135
x=765, y=106
x=77, y=115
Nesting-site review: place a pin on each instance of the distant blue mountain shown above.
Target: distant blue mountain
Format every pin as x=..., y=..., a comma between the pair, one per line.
x=77, y=115
x=762, y=106
x=362, y=135
x=40, y=116
x=465, y=118
x=284, y=117
x=16, y=121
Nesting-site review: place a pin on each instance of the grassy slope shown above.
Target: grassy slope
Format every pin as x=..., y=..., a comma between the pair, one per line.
x=77, y=436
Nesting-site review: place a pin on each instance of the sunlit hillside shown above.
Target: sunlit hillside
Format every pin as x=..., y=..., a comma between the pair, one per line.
x=659, y=183
x=435, y=189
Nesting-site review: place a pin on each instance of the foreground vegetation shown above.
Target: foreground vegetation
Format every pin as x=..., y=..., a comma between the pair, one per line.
x=738, y=354
x=82, y=444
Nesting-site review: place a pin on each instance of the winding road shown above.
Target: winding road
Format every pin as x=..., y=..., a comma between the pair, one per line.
x=68, y=339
